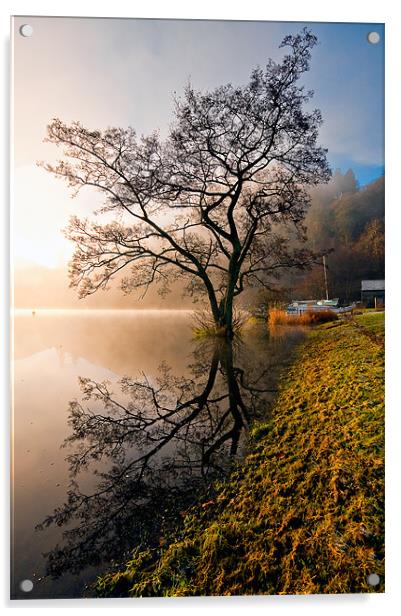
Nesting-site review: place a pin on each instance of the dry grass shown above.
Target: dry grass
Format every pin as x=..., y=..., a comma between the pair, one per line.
x=304, y=512
x=309, y=317
x=205, y=327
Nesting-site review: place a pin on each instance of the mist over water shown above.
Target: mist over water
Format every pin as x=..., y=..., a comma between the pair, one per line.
x=191, y=403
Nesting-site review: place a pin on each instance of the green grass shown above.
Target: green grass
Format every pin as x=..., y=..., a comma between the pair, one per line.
x=372, y=321
x=304, y=511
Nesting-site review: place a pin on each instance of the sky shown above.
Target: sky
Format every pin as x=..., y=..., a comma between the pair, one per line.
x=116, y=72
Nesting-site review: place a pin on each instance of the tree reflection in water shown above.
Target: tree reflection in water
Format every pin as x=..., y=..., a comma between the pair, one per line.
x=152, y=448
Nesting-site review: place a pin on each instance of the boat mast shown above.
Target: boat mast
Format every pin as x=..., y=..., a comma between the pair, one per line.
x=325, y=277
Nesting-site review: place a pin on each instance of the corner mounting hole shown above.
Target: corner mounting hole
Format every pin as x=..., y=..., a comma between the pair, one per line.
x=373, y=579
x=26, y=30
x=374, y=38
x=26, y=585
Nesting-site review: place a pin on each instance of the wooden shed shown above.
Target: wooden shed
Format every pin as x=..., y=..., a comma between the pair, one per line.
x=372, y=293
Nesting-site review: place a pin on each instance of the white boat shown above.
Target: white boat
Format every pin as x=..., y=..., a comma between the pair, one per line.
x=301, y=306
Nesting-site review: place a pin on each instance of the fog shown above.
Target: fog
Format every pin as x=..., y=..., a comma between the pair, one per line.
x=346, y=222
x=36, y=287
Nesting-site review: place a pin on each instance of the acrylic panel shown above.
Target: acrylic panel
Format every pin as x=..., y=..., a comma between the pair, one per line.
x=198, y=333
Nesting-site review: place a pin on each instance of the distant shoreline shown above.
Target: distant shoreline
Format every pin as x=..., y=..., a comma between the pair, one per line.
x=30, y=311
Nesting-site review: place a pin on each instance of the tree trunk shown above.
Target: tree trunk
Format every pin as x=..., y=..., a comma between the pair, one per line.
x=225, y=319
x=223, y=312
x=226, y=306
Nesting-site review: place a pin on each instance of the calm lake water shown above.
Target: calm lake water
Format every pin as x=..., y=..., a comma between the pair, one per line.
x=121, y=419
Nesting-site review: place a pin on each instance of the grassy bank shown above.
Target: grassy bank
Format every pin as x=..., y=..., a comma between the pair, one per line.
x=304, y=512
x=373, y=322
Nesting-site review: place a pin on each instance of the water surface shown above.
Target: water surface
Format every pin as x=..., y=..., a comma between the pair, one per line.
x=121, y=420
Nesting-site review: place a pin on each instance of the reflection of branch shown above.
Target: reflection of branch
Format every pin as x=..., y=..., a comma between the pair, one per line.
x=201, y=418
x=253, y=388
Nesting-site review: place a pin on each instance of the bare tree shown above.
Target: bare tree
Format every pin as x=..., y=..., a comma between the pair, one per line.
x=204, y=203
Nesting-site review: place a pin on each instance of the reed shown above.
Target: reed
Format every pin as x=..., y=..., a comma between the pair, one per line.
x=309, y=317
x=205, y=327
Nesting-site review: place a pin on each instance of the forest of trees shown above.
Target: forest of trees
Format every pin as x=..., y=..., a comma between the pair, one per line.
x=347, y=222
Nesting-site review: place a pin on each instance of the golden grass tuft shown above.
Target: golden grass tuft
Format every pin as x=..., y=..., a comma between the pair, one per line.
x=309, y=317
x=205, y=327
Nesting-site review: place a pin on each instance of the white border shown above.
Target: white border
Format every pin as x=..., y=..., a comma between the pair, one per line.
x=290, y=10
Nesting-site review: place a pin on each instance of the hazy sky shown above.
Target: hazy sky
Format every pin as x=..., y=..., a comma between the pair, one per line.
x=124, y=72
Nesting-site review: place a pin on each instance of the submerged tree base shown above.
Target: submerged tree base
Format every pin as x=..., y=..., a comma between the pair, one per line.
x=215, y=331
x=206, y=327
x=304, y=513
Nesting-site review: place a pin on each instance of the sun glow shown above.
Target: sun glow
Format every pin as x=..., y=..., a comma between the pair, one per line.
x=40, y=211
